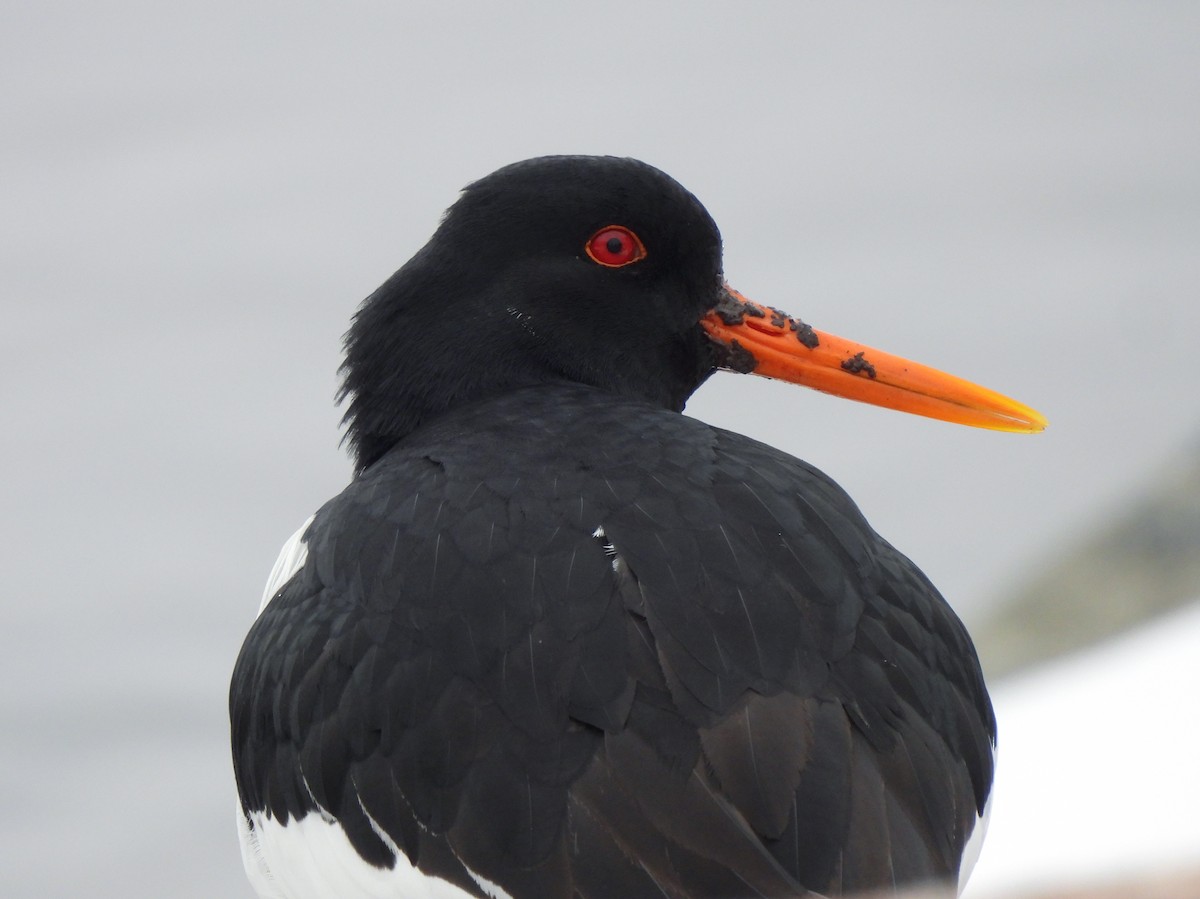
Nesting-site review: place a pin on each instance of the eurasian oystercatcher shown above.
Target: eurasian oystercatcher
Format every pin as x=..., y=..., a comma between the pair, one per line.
x=558, y=640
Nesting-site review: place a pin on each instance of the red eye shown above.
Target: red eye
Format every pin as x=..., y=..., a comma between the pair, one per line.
x=614, y=246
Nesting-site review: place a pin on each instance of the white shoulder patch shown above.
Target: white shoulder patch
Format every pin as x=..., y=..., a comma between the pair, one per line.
x=291, y=559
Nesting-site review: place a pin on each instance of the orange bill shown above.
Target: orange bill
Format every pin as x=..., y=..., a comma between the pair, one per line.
x=763, y=341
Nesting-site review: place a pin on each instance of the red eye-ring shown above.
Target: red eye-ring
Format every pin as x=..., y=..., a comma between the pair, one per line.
x=614, y=246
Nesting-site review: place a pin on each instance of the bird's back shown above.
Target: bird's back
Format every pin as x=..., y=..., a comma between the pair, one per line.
x=563, y=644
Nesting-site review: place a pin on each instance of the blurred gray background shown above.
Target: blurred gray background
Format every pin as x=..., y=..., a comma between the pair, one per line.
x=195, y=197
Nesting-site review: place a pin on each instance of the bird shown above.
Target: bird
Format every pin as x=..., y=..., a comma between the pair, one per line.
x=556, y=639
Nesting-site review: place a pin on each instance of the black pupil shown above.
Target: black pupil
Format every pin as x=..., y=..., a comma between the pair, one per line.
x=614, y=245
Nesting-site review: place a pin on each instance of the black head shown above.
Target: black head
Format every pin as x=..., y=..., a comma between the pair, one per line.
x=519, y=286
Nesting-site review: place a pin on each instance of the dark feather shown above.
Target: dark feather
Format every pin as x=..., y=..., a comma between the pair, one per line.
x=737, y=690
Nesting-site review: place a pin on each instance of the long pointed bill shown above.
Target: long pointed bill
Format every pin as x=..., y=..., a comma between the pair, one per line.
x=764, y=341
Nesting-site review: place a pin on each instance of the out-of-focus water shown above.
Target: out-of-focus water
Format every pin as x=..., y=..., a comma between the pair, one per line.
x=1096, y=780
x=196, y=196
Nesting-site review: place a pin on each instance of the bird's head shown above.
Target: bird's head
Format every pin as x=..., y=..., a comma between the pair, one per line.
x=601, y=271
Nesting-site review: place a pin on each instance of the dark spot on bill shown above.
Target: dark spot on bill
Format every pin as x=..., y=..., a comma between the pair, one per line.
x=805, y=334
x=730, y=310
x=856, y=364
x=736, y=357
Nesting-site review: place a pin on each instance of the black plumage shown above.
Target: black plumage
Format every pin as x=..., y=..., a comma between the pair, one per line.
x=558, y=636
